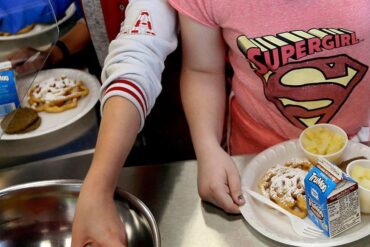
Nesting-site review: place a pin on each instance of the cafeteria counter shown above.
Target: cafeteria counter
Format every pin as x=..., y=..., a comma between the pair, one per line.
x=170, y=192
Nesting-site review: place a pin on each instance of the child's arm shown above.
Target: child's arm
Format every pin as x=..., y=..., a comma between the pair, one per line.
x=204, y=96
x=96, y=218
x=131, y=82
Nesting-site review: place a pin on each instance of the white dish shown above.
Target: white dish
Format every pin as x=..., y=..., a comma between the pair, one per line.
x=54, y=121
x=363, y=192
x=276, y=226
x=41, y=28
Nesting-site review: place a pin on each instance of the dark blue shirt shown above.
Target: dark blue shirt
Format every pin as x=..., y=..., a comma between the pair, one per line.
x=16, y=15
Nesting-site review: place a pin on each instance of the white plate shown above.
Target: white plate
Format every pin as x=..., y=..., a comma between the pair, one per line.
x=276, y=226
x=54, y=121
x=41, y=28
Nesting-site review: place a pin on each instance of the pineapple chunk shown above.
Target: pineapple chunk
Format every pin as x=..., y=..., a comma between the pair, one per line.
x=358, y=172
x=361, y=175
x=365, y=183
x=322, y=141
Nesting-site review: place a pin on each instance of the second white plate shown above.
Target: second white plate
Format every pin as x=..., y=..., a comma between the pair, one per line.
x=41, y=28
x=54, y=121
x=276, y=226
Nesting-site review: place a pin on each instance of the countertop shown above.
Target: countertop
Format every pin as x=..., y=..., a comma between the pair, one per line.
x=170, y=192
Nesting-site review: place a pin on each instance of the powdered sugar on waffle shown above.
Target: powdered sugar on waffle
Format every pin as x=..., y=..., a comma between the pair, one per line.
x=54, y=88
x=286, y=181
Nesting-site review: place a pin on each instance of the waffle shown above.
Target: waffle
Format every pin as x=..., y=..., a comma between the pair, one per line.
x=56, y=94
x=284, y=185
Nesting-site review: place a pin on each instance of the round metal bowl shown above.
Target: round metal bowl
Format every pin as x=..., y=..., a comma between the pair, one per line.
x=41, y=213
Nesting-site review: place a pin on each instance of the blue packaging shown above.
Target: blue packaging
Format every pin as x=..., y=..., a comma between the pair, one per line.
x=9, y=100
x=332, y=198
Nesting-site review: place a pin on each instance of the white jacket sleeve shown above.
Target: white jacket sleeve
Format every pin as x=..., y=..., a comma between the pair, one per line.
x=135, y=60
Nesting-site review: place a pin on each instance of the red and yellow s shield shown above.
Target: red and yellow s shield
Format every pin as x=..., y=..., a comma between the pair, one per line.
x=312, y=91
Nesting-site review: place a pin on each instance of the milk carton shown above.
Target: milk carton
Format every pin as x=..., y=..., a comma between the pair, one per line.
x=332, y=198
x=8, y=93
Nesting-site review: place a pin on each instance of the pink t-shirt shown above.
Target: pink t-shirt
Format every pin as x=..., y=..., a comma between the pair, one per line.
x=296, y=63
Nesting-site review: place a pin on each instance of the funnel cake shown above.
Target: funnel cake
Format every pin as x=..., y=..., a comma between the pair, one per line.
x=284, y=185
x=56, y=94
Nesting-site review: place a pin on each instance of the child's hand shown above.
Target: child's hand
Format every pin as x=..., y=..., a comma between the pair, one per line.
x=219, y=181
x=96, y=222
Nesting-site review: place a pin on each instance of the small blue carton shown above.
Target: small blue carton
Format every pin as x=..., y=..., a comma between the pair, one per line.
x=332, y=198
x=9, y=100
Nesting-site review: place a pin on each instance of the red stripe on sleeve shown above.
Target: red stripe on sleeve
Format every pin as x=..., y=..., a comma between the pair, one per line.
x=134, y=86
x=130, y=93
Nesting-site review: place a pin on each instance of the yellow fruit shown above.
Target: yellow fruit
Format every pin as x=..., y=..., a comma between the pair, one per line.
x=365, y=183
x=322, y=141
x=367, y=174
x=361, y=175
x=358, y=172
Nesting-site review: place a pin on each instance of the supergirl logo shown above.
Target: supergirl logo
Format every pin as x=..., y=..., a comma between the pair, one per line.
x=268, y=53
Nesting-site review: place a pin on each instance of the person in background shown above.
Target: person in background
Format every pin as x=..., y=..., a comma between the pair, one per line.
x=296, y=63
x=74, y=41
x=131, y=79
x=22, y=15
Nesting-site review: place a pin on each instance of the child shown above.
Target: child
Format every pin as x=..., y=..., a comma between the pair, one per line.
x=296, y=63
x=131, y=82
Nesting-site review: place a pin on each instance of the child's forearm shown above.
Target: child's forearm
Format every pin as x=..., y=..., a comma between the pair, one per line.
x=118, y=130
x=203, y=95
x=203, y=84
